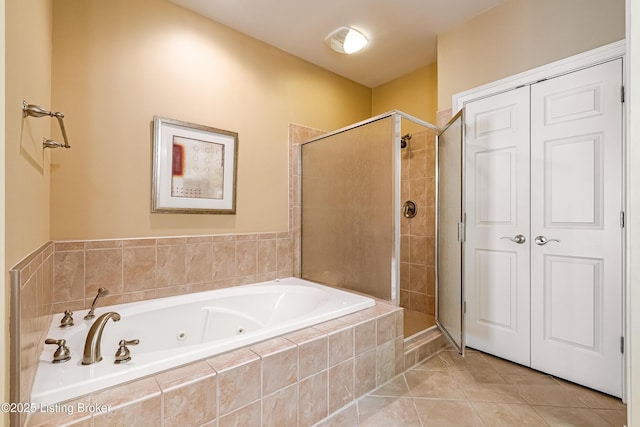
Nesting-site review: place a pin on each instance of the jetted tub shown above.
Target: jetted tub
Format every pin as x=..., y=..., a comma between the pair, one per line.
x=177, y=330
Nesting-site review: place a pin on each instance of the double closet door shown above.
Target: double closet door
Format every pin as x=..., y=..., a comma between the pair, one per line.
x=544, y=202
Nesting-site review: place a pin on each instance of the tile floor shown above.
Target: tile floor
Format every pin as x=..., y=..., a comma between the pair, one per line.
x=479, y=390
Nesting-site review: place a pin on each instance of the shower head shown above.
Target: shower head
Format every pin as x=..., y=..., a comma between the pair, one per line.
x=405, y=140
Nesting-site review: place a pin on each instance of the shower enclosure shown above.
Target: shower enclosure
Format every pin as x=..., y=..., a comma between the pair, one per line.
x=368, y=212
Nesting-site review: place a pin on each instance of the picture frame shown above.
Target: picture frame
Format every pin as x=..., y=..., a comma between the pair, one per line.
x=194, y=168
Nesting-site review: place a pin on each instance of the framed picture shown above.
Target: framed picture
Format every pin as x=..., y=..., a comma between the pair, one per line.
x=194, y=168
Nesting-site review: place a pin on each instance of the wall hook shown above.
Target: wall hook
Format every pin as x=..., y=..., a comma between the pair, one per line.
x=37, y=111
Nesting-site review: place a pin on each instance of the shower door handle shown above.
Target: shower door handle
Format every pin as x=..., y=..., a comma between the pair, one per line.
x=518, y=238
x=541, y=240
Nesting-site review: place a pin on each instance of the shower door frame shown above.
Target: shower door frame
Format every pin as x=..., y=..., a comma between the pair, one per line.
x=396, y=186
x=460, y=343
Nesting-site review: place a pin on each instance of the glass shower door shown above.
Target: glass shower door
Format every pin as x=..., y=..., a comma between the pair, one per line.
x=349, y=191
x=450, y=232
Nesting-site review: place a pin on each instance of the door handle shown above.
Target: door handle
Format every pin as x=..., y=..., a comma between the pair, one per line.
x=541, y=240
x=518, y=238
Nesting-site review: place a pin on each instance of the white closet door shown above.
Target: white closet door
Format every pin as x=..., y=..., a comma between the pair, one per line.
x=497, y=205
x=576, y=199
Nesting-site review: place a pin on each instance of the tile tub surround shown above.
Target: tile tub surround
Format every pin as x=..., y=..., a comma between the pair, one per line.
x=297, y=379
x=142, y=269
x=31, y=301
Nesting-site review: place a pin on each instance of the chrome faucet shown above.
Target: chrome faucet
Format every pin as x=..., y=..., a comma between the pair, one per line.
x=101, y=292
x=92, y=344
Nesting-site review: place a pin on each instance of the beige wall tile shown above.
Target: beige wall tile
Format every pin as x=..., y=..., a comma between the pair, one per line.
x=250, y=415
x=405, y=276
x=170, y=266
x=279, y=364
x=340, y=385
x=193, y=403
x=417, y=252
x=281, y=408
x=246, y=257
x=385, y=362
x=68, y=276
x=103, y=269
x=364, y=367
x=404, y=299
x=417, y=165
x=141, y=413
x=313, y=405
x=224, y=260
x=267, y=256
x=385, y=328
x=312, y=355
x=139, y=268
x=68, y=246
x=418, y=302
x=237, y=385
x=102, y=244
x=199, y=263
x=340, y=346
x=284, y=255
x=418, y=278
x=364, y=336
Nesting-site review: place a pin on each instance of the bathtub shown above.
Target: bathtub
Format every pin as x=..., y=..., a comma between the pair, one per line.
x=177, y=330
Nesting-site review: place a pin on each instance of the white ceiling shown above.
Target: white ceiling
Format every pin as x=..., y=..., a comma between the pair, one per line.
x=402, y=33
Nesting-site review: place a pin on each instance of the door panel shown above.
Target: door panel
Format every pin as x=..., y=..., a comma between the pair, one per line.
x=496, y=282
x=574, y=302
x=496, y=198
x=576, y=200
x=573, y=189
x=496, y=268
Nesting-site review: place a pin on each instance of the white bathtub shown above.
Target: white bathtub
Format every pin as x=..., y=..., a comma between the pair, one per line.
x=178, y=330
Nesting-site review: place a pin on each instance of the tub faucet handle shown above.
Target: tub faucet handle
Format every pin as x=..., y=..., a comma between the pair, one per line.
x=123, y=354
x=62, y=353
x=67, y=319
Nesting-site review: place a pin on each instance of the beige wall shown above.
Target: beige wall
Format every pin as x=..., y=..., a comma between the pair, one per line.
x=28, y=71
x=25, y=179
x=4, y=295
x=415, y=93
x=117, y=64
x=520, y=35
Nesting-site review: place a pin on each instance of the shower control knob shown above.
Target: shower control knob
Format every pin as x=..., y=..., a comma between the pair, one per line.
x=409, y=209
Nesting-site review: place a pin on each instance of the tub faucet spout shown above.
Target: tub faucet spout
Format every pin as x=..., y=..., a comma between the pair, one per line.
x=92, y=344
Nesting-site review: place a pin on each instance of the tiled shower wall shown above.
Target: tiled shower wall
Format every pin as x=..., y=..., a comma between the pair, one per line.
x=417, y=234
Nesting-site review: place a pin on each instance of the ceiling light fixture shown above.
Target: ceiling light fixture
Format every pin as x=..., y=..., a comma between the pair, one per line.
x=346, y=40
